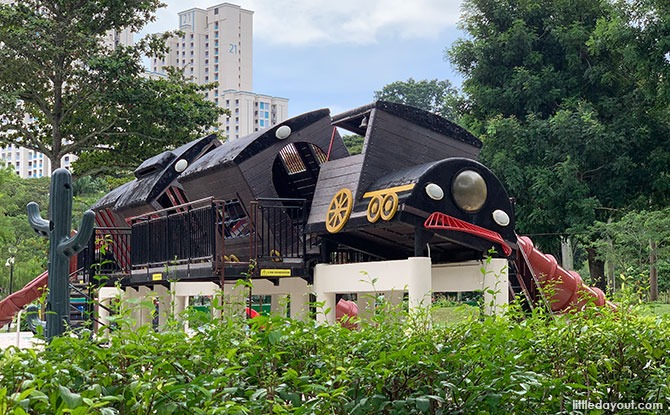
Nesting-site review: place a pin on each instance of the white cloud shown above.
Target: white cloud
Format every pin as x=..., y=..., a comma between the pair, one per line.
x=327, y=22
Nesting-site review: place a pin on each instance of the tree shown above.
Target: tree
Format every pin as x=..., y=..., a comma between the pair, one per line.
x=62, y=90
x=354, y=143
x=563, y=123
x=15, y=231
x=435, y=96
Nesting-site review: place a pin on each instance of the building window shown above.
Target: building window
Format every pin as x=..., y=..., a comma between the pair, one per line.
x=216, y=51
x=216, y=35
x=216, y=25
x=216, y=10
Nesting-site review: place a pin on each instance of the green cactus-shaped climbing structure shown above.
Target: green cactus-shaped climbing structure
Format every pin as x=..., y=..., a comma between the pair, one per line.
x=61, y=247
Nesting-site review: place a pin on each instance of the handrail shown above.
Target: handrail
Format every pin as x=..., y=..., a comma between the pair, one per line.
x=89, y=298
x=155, y=212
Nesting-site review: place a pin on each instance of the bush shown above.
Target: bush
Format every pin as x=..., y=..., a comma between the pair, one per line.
x=396, y=364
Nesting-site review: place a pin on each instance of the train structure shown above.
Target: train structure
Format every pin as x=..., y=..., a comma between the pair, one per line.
x=286, y=202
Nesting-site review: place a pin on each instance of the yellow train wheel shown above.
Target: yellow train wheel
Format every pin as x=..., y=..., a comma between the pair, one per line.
x=389, y=206
x=339, y=210
x=374, y=209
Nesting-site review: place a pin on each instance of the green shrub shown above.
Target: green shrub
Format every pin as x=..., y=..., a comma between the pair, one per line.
x=395, y=364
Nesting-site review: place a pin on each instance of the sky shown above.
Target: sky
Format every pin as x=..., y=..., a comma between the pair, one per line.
x=336, y=53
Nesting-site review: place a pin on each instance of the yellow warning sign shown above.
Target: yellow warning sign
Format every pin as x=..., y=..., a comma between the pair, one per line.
x=272, y=272
x=157, y=277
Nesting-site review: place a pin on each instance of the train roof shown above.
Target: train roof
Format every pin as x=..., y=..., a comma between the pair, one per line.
x=352, y=121
x=240, y=149
x=155, y=175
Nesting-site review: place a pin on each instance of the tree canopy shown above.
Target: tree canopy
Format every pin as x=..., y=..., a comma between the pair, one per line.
x=570, y=99
x=63, y=90
x=432, y=95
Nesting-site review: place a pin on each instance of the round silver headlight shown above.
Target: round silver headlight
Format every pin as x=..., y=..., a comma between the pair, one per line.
x=469, y=191
x=181, y=165
x=500, y=217
x=283, y=132
x=434, y=191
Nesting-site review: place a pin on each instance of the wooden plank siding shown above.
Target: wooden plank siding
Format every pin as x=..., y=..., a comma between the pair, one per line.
x=258, y=169
x=393, y=143
x=334, y=176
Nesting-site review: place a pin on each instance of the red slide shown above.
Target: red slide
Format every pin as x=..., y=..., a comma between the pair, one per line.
x=566, y=288
x=19, y=299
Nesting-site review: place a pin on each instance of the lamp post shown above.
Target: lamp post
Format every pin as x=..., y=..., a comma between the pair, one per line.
x=10, y=265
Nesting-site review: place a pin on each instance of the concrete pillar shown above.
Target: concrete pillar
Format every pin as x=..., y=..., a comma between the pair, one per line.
x=496, y=286
x=278, y=304
x=177, y=301
x=107, y=297
x=164, y=304
x=299, y=305
x=395, y=297
x=145, y=306
x=234, y=301
x=328, y=300
x=366, y=305
x=419, y=283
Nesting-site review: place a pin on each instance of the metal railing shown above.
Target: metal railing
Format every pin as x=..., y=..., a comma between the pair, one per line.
x=199, y=232
x=279, y=229
x=179, y=237
x=107, y=253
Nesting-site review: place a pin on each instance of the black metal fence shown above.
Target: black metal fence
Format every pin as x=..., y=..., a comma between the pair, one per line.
x=279, y=229
x=206, y=231
x=178, y=237
x=107, y=253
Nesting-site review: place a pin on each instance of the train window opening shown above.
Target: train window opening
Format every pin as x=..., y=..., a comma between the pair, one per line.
x=296, y=170
x=291, y=158
x=235, y=220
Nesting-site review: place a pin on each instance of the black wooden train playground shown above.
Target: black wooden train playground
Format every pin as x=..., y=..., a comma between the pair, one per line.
x=291, y=209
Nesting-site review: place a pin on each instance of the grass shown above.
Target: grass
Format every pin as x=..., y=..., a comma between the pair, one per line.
x=453, y=314
x=659, y=309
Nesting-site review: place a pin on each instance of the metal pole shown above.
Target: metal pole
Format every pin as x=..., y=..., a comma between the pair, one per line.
x=11, y=276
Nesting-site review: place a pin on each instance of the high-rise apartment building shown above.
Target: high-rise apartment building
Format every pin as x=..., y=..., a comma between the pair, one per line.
x=216, y=45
